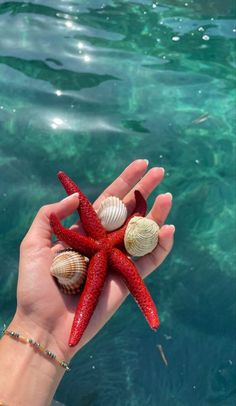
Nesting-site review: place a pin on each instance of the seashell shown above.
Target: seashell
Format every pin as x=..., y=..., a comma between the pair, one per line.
x=112, y=213
x=70, y=269
x=141, y=236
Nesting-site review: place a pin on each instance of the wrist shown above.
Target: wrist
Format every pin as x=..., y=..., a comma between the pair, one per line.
x=30, y=329
x=24, y=371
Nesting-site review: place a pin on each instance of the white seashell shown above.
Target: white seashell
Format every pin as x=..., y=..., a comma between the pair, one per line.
x=112, y=213
x=70, y=269
x=141, y=236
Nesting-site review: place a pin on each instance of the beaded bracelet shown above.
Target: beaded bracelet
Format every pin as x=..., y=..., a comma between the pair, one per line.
x=36, y=345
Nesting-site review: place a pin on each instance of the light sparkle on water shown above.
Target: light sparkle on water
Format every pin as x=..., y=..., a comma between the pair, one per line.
x=80, y=45
x=69, y=24
x=87, y=58
x=57, y=122
x=176, y=38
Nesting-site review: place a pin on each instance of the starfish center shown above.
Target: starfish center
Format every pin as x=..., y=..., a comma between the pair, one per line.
x=104, y=244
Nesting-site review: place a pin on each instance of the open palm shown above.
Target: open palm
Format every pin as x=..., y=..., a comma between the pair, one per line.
x=38, y=298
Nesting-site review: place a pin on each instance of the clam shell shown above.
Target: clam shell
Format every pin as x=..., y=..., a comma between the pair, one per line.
x=141, y=236
x=70, y=269
x=112, y=213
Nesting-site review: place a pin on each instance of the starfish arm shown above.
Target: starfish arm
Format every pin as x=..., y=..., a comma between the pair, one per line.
x=140, y=204
x=120, y=263
x=116, y=238
x=85, y=245
x=69, y=186
x=88, y=215
x=89, y=298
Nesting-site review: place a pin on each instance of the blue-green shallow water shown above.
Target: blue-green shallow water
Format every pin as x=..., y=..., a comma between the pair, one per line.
x=88, y=88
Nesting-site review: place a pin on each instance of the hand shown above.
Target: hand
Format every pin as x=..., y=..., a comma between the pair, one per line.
x=41, y=308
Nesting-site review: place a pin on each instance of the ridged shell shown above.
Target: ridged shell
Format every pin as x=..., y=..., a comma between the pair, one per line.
x=70, y=269
x=112, y=213
x=141, y=236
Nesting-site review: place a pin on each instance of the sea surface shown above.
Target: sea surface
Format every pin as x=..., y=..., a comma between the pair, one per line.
x=87, y=87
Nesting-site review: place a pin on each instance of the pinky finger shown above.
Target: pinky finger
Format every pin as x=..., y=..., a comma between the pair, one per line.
x=151, y=261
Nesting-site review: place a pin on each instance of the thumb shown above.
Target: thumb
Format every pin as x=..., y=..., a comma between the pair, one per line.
x=40, y=231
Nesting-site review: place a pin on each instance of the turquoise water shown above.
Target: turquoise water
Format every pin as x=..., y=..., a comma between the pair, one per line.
x=88, y=88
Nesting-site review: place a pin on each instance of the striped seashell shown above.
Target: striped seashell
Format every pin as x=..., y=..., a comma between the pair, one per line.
x=141, y=236
x=112, y=213
x=70, y=270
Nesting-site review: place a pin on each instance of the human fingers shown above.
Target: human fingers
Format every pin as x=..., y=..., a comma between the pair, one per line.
x=40, y=231
x=146, y=185
x=121, y=186
x=125, y=181
x=161, y=208
x=151, y=261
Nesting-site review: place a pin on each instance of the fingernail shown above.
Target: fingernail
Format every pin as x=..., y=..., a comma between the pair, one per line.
x=169, y=195
x=147, y=161
x=73, y=196
x=172, y=227
x=162, y=169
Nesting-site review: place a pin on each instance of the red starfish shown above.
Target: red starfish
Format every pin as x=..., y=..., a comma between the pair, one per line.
x=105, y=250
